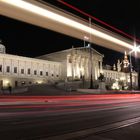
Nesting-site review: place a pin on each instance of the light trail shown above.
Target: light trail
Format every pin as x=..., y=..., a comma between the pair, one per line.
x=70, y=97
x=98, y=20
x=64, y=101
x=53, y=110
x=24, y=5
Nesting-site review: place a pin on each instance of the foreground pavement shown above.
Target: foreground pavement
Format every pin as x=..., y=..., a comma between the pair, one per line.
x=80, y=117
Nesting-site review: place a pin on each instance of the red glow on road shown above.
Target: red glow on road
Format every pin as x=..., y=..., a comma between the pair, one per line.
x=98, y=20
x=64, y=108
x=68, y=98
x=25, y=105
x=123, y=95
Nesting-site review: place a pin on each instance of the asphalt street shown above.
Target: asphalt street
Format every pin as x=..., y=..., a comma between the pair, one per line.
x=33, y=118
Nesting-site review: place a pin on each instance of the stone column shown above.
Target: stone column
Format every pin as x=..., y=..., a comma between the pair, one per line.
x=69, y=66
x=73, y=66
x=77, y=67
x=85, y=66
x=101, y=67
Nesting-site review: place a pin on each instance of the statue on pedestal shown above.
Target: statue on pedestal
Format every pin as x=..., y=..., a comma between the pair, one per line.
x=101, y=79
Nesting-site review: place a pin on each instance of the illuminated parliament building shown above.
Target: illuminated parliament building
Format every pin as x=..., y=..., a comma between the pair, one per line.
x=71, y=64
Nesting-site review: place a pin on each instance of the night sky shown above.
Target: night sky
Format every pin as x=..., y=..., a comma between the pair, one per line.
x=28, y=40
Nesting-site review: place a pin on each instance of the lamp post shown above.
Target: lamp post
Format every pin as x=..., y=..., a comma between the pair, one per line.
x=90, y=57
x=91, y=67
x=135, y=49
x=130, y=70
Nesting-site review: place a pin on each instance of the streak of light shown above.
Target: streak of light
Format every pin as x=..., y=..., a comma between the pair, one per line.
x=58, y=110
x=64, y=20
x=96, y=19
x=66, y=98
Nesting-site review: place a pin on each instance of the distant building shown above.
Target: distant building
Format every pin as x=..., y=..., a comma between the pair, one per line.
x=121, y=72
x=70, y=64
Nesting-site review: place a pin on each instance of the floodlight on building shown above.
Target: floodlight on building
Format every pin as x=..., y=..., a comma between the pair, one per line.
x=27, y=6
x=122, y=78
x=6, y=82
x=39, y=82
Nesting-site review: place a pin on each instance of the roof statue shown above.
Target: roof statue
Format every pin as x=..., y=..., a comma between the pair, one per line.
x=119, y=65
x=125, y=61
x=114, y=67
x=2, y=48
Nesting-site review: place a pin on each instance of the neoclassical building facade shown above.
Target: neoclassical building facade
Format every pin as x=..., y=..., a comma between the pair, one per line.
x=77, y=62
x=18, y=71
x=70, y=64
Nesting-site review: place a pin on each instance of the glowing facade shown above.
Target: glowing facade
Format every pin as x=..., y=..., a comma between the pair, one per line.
x=76, y=62
x=19, y=71
x=70, y=64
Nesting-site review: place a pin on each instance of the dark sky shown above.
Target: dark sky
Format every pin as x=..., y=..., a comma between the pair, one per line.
x=28, y=40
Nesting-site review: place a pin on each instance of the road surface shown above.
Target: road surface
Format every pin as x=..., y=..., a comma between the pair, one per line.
x=79, y=117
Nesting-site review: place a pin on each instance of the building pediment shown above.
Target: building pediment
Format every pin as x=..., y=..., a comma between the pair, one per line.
x=62, y=55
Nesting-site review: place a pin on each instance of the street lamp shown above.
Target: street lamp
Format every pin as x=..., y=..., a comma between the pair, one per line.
x=90, y=65
x=91, y=77
x=90, y=57
x=135, y=49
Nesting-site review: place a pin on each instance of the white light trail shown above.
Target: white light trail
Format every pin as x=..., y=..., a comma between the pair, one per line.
x=64, y=20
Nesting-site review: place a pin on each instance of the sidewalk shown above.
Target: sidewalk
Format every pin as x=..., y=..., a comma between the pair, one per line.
x=98, y=91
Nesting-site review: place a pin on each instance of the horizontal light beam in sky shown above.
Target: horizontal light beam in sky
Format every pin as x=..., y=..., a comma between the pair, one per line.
x=98, y=20
x=64, y=20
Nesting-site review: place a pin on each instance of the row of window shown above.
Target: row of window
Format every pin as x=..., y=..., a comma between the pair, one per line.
x=23, y=71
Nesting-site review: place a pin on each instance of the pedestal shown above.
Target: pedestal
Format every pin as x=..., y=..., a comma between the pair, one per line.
x=102, y=86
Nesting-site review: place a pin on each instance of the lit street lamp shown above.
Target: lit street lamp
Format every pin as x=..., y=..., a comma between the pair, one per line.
x=90, y=57
x=130, y=70
x=135, y=49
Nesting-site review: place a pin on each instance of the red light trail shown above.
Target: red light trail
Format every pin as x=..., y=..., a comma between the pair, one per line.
x=66, y=104
x=98, y=20
x=67, y=98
